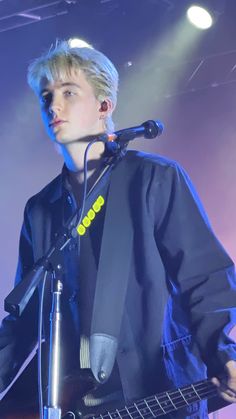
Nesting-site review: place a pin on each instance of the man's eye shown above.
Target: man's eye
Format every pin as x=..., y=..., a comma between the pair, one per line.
x=46, y=99
x=69, y=93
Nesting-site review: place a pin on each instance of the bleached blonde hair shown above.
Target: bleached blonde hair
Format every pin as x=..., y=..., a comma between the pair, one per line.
x=62, y=59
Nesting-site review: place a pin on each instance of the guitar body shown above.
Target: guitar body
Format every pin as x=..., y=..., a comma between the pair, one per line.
x=21, y=402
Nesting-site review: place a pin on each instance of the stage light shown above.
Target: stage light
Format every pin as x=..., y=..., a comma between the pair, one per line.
x=200, y=17
x=78, y=43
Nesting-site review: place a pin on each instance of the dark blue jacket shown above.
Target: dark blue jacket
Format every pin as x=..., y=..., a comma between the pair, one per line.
x=181, y=292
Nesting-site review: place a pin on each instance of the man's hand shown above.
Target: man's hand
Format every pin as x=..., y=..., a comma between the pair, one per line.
x=227, y=386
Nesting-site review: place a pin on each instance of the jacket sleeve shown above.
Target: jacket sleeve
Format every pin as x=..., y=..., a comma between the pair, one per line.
x=18, y=335
x=199, y=266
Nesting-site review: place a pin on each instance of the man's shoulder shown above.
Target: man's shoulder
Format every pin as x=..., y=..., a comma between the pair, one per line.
x=143, y=159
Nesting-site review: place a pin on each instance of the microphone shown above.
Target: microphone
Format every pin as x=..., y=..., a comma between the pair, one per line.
x=149, y=129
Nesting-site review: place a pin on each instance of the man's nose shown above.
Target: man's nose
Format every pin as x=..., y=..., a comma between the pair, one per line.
x=55, y=106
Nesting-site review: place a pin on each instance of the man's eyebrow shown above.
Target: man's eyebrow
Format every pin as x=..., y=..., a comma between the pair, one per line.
x=70, y=83
x=63, y=84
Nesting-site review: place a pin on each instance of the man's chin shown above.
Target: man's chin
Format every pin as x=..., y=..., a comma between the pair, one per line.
x=66, y=141
x=63, y=140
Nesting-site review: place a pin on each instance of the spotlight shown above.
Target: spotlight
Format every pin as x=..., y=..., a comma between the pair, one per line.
x=200, y=17
x=78, y=43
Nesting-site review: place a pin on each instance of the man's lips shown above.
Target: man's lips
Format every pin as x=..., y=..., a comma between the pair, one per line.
x=56, y=122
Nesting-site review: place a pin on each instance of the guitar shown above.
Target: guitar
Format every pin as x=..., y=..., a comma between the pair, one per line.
x=157, y=405
x=152, y=406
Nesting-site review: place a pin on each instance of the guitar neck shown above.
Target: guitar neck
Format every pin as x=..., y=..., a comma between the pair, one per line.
x=163, y=403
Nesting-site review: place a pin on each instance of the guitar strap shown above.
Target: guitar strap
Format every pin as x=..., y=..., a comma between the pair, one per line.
x=113, y=273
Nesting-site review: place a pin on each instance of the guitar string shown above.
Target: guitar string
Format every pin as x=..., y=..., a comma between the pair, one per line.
x=186, y=391
x=158, y=411
x=208, y=390
x=134, y=414
x=169, y=408
x=175, y=395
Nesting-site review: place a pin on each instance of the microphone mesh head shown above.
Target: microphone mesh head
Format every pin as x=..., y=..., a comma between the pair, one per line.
x=153, y=128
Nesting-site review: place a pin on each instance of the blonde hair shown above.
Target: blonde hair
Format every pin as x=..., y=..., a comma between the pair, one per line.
x=58, y=63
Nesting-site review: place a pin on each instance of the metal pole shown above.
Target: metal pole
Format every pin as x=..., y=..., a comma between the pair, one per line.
x=52, y=410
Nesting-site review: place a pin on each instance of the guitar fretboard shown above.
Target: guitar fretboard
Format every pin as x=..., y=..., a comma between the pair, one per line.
x=163, y=403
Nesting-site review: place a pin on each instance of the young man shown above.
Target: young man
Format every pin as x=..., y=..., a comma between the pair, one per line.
x=181, y=286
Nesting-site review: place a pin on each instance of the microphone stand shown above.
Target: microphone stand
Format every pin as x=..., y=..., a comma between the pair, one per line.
x=19, y=297
x=52, y=410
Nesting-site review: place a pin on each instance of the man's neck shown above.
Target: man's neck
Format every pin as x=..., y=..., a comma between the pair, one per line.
x=73, y=155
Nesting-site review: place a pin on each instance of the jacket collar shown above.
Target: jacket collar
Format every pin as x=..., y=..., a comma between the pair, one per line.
x=60, y=185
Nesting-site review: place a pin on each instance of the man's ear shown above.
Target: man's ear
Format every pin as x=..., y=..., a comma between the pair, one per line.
x=104, y=106
x=107, y=106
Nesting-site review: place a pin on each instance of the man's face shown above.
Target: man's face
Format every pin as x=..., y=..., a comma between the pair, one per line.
x=70, y=109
